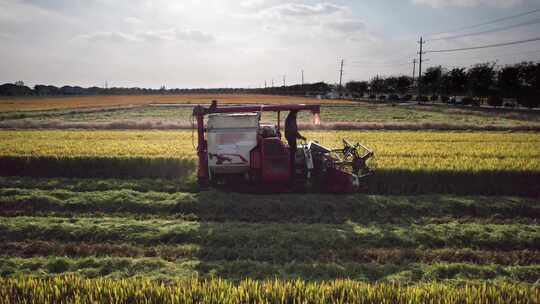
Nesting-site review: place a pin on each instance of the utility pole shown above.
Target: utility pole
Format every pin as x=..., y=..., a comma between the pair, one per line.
x=413, y=70
x=340, y=74
x=272, y=82
x=420, y=70
x=284, y=80
x=302, y=77
x=265, y=84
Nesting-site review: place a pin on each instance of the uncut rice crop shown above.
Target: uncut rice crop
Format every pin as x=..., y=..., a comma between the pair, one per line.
x=461, y=151
x=405, y=162
x=393, y=150
x=97, y=154
x=72, y=289
x=148, y=144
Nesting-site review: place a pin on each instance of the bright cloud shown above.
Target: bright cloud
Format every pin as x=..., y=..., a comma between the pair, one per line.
x=149, y=36
x=347, y=26
x=468, y=3
x=303, y=10
x=217, y=43
x=114, y=37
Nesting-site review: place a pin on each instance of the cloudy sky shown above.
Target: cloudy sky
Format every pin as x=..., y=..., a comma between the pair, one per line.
x=241, y=43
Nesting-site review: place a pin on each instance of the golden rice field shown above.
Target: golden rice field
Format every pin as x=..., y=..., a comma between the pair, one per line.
x=117, y=217
x=50, y=103
x=459, y=151
x=77, y=290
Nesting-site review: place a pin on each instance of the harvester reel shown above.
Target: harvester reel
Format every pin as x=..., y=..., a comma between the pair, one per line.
x=358, y=163
x=350, y=150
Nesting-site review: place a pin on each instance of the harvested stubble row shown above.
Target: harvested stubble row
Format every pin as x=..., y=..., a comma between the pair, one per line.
x=406, y=162
x=396, y=256
x=96, y=184
x=77, y=290
x=288, y=208
x=236, y=270
x=358, y=116
x=258, y=240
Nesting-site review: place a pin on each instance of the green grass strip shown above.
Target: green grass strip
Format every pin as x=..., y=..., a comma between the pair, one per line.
x=98, y=184
x=359, y=254
x=237, y=270
x=282, y=240
x=219, y=206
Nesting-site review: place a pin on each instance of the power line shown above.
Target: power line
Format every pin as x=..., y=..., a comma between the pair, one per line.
x=520, y=53
x=377, y=63
x=459, y=29
x=491, y=57
x=497, y=55
x=499, y=29
x=496, y=61
x=380, y=65
x=485, y=46
x=497, y=58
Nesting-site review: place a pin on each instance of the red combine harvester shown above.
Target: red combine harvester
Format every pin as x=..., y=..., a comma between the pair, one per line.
x=235, y=146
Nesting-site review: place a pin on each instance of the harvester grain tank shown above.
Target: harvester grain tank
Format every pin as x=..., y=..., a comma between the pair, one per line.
x=236, y=146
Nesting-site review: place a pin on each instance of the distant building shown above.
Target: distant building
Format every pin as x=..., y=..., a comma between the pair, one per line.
x=332, y=95
x=510, y=102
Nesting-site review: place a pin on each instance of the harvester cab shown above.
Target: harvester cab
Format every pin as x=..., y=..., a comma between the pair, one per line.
x=235, y=147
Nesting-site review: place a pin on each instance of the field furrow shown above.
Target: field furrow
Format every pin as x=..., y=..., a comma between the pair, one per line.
x=398, y=256
x=281, y=238
x=157, y=268
x=286, y=208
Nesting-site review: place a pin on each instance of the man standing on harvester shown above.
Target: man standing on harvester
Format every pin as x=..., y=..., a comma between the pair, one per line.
x=291, y=134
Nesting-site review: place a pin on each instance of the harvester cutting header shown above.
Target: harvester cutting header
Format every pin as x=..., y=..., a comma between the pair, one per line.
x=235, y=145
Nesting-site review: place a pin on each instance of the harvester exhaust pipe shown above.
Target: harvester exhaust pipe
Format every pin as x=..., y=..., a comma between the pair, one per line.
x=316, y=118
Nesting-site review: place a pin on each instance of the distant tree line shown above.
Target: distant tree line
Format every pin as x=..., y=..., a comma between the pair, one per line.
x=487, y=81
x=391, y=85
x=319, y=88
x=19, y=89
